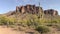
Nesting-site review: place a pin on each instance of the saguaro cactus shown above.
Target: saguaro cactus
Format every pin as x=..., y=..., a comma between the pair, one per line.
x=40, y=14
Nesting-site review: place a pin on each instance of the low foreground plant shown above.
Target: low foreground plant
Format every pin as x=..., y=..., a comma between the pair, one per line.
x=42, y=29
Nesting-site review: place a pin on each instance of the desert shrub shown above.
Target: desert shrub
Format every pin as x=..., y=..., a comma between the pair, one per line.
x=53, y=22
x=42, y=29
x=59, y=20
x=11, y=21
x=4, y=20
x=23, y=22
x=33, y=21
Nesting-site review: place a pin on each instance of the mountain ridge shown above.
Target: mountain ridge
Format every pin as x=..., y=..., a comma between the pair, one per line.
x=31, y=9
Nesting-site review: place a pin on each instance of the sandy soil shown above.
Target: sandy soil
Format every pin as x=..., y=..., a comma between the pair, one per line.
x=5, y=30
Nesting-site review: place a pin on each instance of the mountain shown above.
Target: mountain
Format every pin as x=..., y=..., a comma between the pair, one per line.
x=31, y=9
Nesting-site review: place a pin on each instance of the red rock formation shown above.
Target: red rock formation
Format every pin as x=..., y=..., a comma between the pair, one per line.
x=51, y=12
x=29, y=9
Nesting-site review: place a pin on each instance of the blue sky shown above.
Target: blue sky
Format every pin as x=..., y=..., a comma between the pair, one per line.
x=8, y=5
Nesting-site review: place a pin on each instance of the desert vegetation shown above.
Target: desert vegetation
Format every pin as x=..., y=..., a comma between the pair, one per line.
x=31, y=21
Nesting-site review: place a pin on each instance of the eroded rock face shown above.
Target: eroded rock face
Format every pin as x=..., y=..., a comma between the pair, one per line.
x=28, y=9
x=51, y=12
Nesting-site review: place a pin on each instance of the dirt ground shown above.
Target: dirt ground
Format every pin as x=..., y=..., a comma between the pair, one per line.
x=5, y=30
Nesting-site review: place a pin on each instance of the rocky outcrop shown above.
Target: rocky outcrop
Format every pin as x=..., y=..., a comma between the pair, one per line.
x=51, y=12
x=32, y=9
x=28, y=9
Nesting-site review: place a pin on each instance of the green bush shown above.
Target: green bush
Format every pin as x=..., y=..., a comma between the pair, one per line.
x=33, y=21
x=4, y=20
x=52, y=22
x=42, y=29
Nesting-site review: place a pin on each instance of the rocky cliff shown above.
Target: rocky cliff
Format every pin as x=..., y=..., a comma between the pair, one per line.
x=28, y=9
x=51, y=12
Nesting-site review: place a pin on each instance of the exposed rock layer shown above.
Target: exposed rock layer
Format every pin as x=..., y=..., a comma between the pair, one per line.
x=51, y=12
x=28, y=9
